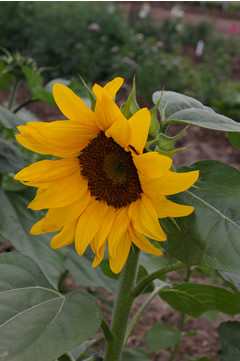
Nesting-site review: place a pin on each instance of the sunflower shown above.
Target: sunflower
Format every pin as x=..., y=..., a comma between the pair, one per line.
x=102, y=189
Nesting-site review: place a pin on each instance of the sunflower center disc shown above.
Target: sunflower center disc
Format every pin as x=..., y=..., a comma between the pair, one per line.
x=111, y=174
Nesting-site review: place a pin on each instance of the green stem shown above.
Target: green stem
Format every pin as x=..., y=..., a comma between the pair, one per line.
x=13, y=94
x=107, y=332
x=19, y=107
x=122, y=307
x=141, y=310
x=148, y=279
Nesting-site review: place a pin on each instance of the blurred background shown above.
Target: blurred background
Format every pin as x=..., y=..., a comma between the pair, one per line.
x=187, y=47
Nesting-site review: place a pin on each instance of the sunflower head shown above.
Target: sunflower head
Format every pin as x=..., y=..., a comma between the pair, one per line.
x=102, y=190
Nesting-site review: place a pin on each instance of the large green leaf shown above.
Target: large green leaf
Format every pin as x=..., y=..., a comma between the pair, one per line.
x=195, y=299
x=161, y=337
x=36, y=322
x=229, y=334
x=210, y=235
x=179, y=108
x=86, y=276
x=11, y=159
x=15, y=223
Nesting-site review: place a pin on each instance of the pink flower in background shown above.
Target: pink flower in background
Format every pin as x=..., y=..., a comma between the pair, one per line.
x=233, y=29
x=94, y=27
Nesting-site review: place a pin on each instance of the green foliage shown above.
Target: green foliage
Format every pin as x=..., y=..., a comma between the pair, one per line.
x=62, y=35
x=195, y=299
x=210, y=236
x=15, y=224
x=139, y=354
x=27, y=299
x=234, y=139
x=229, y=333
x=103, y=45
x=178, y=108
x=84, y=275
x=161, y=337
x=11, y=159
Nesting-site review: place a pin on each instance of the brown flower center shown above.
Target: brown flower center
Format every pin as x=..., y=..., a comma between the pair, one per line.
x=111, y=174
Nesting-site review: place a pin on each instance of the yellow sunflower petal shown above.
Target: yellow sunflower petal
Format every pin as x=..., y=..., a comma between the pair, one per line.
x=145, y=219
x=152, y=164
x=68, y=133
x=120, y=131
x=37, y=227
x=140, y=123
x=56, y=218
x=27, y=141
x=166, y=208
x=98, y=259
x=65, y=237
x=118, y=230
x=174, y=183
x=107, y=112
x=42, y=173
x=40, y=139
x=61, y=194
x=141, y=242
x=89, y=224
x=103, y=232
x=121, y=254
x=111, y=88
x=72, y=106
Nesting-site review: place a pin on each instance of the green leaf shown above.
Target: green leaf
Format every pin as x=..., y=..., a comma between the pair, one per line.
x=210, y=235
x=229, y=334
x=33, y=77
x=43, y=323
x=105, y=267
x=195, y=299
x=10, y=158
x=79, y=350
x=27, y=116
x=161, y=337
x=178, y=108
x=8, y=119
x=86, y=276
x=153, y=263
x=15, y=223
x=43, y=95
x=5, y=77
x=211, y=315
x=138, y=354
x=234, y=139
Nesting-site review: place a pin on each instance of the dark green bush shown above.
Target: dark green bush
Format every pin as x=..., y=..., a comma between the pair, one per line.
x=94, y=40
x=70, y=37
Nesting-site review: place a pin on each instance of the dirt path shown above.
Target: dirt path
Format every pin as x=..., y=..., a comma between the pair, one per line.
x=161, y=11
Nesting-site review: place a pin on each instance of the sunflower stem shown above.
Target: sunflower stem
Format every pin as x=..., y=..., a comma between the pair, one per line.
x=122, y=307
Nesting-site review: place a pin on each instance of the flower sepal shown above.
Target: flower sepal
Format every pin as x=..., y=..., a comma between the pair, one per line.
x=166, y=143
x=131, y=106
